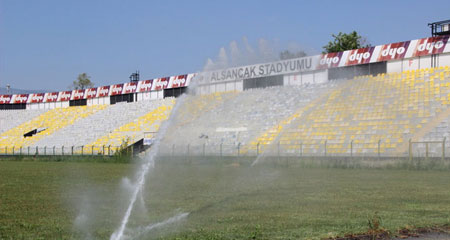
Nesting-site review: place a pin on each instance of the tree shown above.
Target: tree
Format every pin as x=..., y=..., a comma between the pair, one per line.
x=286, y=54
x=83, y=81
x=344, y=41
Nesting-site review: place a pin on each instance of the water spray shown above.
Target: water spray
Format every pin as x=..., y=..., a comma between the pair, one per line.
x=149, y=162
x=148, y=165
x=168, y=221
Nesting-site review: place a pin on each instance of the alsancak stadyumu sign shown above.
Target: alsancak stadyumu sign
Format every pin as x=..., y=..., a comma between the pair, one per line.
x=264, y=69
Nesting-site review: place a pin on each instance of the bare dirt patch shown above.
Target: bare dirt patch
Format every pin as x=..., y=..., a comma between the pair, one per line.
x=432, y=233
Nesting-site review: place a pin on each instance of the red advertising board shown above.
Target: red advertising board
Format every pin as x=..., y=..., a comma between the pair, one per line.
x=36, y=98
x=144, y=86
x=393, y=51
x=103, y=91
x=116, y=89
x=5, y=99
x=20, y=98
x=78, y=94
x=330, y=60
x=64, y=96
x=433, y=45
x=179, y=81
x=91, y=93
x=51, y=97
x=359, y=56
x=160, y=83
x=129, y=87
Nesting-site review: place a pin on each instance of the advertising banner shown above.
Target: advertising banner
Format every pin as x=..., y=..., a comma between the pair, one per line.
x=160, y=83
x=428, y=46
x=178, y=81
x=91, y=93
x=51, y=97
x=5, y=99
x=330, y=60
x=129, y=88
x=103, y=91
x=77, y=94
x=144, y=86
x=64, y=96
x=20, y=98
x=359, y=56
x=115, y=89
x=392, y=51
x=36, y=98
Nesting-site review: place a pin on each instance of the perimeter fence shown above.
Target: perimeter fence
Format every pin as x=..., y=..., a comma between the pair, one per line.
x=380, y=149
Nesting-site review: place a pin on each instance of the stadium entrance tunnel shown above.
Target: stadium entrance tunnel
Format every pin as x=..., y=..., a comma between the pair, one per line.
x=139, y=146
x=136, y=147
x=34, y=132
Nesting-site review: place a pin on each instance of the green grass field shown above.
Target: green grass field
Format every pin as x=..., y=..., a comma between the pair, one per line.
x=64, y=200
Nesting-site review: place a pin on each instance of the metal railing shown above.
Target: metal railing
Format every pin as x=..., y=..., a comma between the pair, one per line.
x=380, y=148
x=64, y=150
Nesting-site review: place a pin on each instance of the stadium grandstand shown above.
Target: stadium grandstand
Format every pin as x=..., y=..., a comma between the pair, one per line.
x=386, y=100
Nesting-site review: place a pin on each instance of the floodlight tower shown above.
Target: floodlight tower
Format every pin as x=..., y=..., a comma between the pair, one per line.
x=134, y=77
x=440, y=28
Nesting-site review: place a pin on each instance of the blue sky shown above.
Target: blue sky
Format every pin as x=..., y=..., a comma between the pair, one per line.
x=45, y=44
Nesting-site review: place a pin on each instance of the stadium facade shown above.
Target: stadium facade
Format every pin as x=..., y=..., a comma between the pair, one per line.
x=394, y=57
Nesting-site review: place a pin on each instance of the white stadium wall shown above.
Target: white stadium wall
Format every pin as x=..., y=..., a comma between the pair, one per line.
x=418, y=63
x=220, y=87
x=394, y=66
x=444, y=59
x=401, y=56
x=307, y=78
